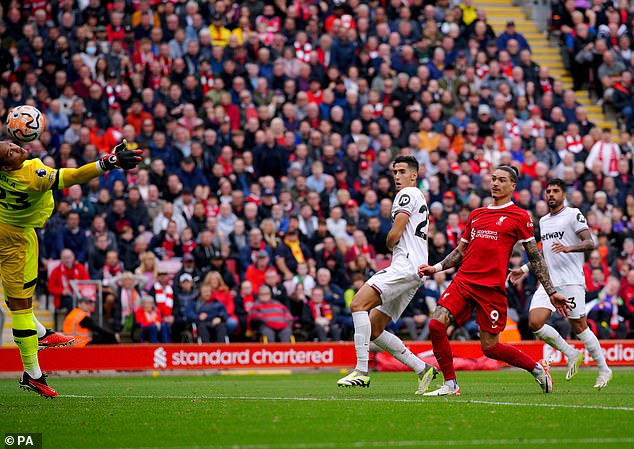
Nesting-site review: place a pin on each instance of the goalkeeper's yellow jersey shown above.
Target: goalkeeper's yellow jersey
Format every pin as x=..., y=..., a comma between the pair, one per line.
x=26, y=199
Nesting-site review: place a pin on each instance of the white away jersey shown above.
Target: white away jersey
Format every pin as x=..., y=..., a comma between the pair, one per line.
x=564, y=268
x=412, y=247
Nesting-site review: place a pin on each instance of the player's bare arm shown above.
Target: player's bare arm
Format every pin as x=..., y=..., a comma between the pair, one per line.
x=516, y=275
x=400, y=222
x=443, y=315
x=453, y=259
x=561, y=303
x=586, y=244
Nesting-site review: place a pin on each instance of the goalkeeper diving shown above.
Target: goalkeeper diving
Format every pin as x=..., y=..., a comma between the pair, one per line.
x=26, y=202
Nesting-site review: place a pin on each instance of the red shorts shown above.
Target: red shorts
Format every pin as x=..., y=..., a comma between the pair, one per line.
x=490, y=305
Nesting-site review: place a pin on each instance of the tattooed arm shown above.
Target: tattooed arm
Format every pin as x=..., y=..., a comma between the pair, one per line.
x=586, y=244
x=453, y=258
x=538, y=265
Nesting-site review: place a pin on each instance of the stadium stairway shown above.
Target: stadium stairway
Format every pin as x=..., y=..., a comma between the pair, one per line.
x=44, y=316
x=498, y=12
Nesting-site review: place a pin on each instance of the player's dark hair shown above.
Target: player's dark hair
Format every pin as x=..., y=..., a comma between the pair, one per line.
x=557, y=182
x=409, y=160
x=511, y=171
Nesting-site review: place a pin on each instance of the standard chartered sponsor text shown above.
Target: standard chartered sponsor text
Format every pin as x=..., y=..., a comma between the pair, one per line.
x=222, y=357
x=486, y=234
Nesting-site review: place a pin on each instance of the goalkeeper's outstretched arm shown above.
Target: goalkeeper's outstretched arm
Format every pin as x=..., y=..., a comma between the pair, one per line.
x=119, y=158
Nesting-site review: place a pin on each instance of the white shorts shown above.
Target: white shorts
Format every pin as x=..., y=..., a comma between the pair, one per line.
x=576, y=293
x=396, y=286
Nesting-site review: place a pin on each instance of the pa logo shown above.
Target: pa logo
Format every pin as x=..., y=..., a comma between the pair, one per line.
x=40, y=172
x=404, y=201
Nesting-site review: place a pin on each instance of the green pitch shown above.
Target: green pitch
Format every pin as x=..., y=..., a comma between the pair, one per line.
x=497, y=409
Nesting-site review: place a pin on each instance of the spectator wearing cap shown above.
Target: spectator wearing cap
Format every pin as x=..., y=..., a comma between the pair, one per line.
x=219, y=265
x=290, y=253
x=256, y=272
x=185, y=293
x=189, y=267
x=449, y=202
x=269, y=199
x=511, y=33
x=248, y=254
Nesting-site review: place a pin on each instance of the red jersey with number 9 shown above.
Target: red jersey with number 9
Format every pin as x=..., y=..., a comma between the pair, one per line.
x=490, y=236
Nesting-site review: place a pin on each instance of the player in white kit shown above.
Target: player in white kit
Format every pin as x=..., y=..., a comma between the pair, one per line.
x=565, y=237
x=386, y=294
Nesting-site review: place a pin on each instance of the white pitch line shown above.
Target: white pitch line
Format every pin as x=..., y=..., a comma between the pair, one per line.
x=420, y=443
x=309, y=399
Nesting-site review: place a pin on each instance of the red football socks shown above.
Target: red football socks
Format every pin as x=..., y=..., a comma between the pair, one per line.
x=510, y=355
x=442, y=350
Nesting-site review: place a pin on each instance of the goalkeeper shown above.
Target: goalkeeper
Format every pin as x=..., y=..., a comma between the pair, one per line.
x=26, y=202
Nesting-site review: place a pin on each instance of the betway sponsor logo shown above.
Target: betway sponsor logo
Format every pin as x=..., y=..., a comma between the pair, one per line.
x=613, y=353
x=263, y=357
x=552, y=235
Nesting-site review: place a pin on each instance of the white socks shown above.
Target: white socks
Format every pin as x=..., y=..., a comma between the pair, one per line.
x=552, y=337
x=41, y=330
x=362, y=331
x=392, y=344
x=591, y=343
x=36, y=372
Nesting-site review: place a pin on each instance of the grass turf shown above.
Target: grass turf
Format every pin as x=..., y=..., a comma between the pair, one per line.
x=497, y=409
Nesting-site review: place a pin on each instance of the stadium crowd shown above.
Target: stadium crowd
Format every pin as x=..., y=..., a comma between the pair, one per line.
x=268, y=129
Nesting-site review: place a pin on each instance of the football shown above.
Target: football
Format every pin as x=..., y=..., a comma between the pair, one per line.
x=25, y=123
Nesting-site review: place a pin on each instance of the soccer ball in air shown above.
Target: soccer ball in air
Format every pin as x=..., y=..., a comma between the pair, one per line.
x=25, y=123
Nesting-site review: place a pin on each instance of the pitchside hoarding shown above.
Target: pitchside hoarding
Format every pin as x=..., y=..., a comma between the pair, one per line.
x=257, y=356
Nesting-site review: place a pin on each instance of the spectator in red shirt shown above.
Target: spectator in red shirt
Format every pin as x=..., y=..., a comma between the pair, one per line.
x=59, y=280
x=270, y=318
x=255, y=272
x=153, y=329
x=627, y=290
x=593, y=263
x=137, y=115
x=322, y=315
x=360, y=246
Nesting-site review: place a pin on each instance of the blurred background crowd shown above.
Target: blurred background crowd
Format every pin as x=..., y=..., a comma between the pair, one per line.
x=268, y=129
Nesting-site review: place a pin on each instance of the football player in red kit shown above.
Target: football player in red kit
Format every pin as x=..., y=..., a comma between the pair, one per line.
x=484, y=252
